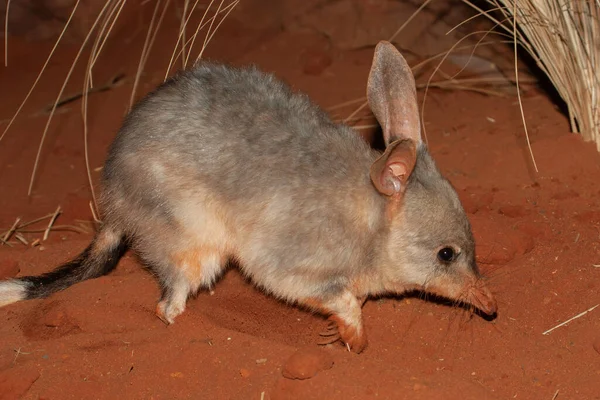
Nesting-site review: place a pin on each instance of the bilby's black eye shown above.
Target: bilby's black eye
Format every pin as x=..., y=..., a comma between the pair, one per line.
x=446, y=255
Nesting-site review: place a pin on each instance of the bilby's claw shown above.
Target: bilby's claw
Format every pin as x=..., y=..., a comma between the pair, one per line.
x=330, y=332
x=329, y=340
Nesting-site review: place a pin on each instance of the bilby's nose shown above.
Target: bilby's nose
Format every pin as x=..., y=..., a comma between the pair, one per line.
x=481, y=297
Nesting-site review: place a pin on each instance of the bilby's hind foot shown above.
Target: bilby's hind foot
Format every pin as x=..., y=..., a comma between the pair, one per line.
x=167, y=311
x=182, y=275
x=173, y=301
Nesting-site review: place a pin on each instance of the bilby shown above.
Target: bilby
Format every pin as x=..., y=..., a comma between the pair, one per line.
x=222, y=163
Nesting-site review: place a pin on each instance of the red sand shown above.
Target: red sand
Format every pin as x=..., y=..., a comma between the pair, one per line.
x=537, y=233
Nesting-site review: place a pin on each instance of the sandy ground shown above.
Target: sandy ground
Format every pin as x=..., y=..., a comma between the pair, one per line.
x=537, y=241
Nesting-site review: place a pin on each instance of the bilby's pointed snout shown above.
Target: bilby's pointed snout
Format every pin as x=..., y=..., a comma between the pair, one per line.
x=480, y=296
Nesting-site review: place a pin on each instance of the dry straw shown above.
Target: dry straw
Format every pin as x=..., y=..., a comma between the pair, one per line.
x=563, y=37
x=213, y=14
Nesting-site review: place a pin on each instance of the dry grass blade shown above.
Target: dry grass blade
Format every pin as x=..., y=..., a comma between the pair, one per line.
x=107, y=26
x=439, y=65
x=52, y=220
x=35, y=221
x=12, y=229
x=346, y=104
x=148, y=42
x=181, y=38
x=6, y=34
x=519, y=91
x=190, y=42
x=413, y=15
x=94, y=214
x=416, y=68
x=563, y=37
x=362, y=127
x=206, y=37
x=37, y=79
x=182, y=27
x=449, y=83
x=18, y=229
x=55, y=228
x=227, y=9
x=198, y=28
x=39, y=152
x=209, y=38
x=21, y=239
x=571, y=319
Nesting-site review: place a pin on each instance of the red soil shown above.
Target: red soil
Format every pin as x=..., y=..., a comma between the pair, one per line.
x=537, y=240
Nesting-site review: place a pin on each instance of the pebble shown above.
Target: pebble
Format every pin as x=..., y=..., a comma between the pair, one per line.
x=306, y=363
x=244, y=373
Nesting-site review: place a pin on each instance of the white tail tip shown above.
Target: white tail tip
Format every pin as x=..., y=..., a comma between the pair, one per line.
x=12, y=291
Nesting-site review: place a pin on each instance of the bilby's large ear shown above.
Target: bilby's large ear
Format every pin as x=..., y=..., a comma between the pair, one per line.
x=390, y=172
x=392, y=95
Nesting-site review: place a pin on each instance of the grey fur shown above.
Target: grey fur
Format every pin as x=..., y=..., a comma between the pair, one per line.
x=222, y=163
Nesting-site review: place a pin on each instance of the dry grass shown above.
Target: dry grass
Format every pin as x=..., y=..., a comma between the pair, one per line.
x=19, y=230
x=484, y=85
x=563, y=37
x=99, y=34
x=438, y=79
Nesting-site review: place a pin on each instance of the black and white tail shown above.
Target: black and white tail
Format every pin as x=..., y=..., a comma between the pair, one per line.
x=98, y=259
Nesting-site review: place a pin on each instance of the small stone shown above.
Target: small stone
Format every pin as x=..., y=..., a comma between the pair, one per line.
x=261, y=361
x=244, y=373
x=596, y=346
x=306, y=363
